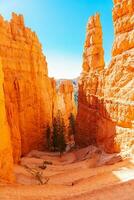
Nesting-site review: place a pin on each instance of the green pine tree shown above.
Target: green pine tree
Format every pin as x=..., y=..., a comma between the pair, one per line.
x=59, y=143
x=61, y=137
x=72, y=124
x=55, y=134
x=48, y=134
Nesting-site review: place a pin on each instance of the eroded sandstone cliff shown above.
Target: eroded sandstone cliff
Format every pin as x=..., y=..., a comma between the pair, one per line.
x=106, y=96
x=29, y=93
x=27, y=87
x=6, y=161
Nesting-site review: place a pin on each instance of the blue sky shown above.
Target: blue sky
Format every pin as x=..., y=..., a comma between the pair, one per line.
x=60, y=26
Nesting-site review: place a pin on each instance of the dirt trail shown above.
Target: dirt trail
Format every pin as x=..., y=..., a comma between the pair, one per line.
x=83, y=174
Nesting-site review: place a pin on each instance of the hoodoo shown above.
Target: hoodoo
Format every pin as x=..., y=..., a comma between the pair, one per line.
x=106, y=96
x=93, y=67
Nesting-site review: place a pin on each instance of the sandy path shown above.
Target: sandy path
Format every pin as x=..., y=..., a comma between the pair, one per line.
x=71, y=177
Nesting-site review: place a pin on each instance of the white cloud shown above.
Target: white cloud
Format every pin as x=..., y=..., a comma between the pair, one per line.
x=63, y=65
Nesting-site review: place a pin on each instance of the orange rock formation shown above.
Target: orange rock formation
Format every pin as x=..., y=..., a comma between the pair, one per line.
x=26, y=84
x=29, y=94
x=63, y=102
x=106, y=96
x=6, y=161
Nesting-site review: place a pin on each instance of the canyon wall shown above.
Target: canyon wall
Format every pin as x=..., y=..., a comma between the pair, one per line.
x=27, y=87
x=106, y=95
x=6, y=161
x=29, y=93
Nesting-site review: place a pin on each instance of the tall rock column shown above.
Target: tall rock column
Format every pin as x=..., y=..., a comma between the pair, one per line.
x=107, y=118
x=90, y=83
x=93, y=56
x=6, y=161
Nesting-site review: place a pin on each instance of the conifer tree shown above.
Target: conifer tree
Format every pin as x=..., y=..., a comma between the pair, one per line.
x=48, y=133
x=55, y=134
x=61, y=137
x=58, y=133
x=72, y=124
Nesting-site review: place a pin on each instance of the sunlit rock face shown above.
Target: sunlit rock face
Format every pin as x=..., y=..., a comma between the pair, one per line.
x=6, y=161
x=28, y=90
x=30, y=96
x=65, y=103
x=106, y=96
x=93, y=66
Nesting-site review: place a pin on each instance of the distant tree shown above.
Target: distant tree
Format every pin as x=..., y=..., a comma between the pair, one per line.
x=48, y=134
x=55, y=134
x=76, y=97
x=58, y=133
x=71, y=124
x=61, y=137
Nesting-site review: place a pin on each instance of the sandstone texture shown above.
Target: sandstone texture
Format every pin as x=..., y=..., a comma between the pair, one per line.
x=27, y=87
x=30, y=96
x=6, y=161
x=106, y=95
